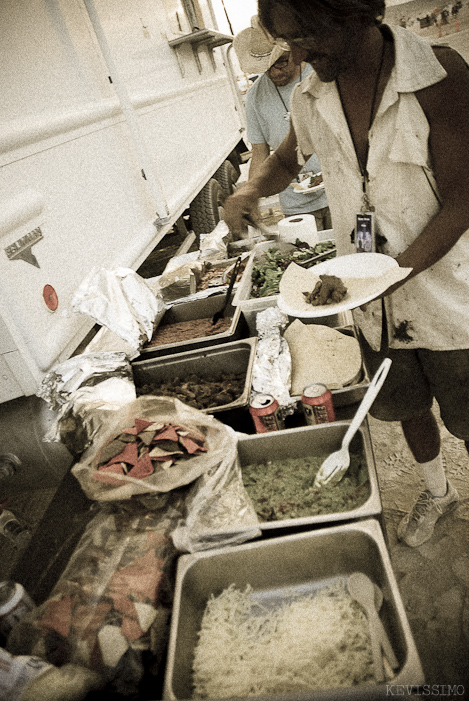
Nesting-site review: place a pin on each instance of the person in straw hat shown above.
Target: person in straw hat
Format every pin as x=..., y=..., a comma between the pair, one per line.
x=268, y=114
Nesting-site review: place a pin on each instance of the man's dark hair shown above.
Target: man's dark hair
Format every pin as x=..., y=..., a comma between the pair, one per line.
x=369, y=12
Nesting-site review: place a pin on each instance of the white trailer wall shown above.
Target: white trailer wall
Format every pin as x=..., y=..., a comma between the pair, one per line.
x=73, y=146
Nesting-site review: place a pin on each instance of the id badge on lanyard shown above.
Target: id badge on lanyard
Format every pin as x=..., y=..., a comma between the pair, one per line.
x=365, y=240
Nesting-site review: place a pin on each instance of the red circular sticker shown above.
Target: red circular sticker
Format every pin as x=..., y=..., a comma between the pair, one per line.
x=50, y=297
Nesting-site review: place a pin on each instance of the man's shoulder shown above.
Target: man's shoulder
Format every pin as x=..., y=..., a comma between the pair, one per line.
x=309, y=84
x=260, y=94
x=260, y=85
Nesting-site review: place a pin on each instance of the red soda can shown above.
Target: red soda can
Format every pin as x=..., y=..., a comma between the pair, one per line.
x=317, y=404
x=264, y=410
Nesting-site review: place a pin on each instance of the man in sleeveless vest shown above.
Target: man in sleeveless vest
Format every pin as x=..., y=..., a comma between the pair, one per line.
x=386, y=113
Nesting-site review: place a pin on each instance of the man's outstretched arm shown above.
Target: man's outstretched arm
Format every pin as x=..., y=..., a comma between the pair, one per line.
x=272, y=176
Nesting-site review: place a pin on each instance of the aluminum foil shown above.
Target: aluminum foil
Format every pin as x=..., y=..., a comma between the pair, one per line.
x=120, y=300
x=272, y=364
x=154, y=282
x=83, y=391
x=86, y=370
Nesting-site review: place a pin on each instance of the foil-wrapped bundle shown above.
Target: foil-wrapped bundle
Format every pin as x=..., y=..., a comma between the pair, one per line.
x=84, y=391
x=272, y=364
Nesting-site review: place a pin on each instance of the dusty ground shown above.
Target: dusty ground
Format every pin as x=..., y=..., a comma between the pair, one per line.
x=434, y=578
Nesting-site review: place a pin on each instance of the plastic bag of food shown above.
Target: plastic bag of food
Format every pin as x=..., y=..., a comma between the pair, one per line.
x=109, y=610
x=155, y=444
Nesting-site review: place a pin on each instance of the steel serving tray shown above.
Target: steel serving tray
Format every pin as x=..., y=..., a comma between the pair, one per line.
x=310, y=441
x=236, y=356
x=203, y=308
x=303, y=562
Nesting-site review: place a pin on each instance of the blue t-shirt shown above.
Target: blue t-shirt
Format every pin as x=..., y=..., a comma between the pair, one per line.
x=266, y=124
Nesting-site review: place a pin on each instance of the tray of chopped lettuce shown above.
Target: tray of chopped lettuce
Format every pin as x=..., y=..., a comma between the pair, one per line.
x=259, y=286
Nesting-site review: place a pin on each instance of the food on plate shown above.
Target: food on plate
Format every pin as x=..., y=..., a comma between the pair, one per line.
x=321, y=354
x=329, y=289
x=296, y=280
x=282, y=489
x=301, y=643
x=267, y=272
x=366, y=281
x=308, y=182
x=315, y=180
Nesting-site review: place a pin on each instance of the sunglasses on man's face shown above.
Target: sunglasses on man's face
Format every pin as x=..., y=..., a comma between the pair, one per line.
x=324, y=29
x=281, y=64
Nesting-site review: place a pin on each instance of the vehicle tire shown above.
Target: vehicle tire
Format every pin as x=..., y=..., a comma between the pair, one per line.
x=235, y=160
x=206, y=210
x=227, y=176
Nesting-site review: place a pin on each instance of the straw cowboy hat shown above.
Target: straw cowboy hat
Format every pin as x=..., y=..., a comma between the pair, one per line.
x=255, y=51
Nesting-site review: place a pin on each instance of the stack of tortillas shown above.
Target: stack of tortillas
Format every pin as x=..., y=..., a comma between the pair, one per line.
x=321, y=354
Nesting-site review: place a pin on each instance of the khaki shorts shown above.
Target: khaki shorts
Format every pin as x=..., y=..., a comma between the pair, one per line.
x=415, y=379
x=323, y=218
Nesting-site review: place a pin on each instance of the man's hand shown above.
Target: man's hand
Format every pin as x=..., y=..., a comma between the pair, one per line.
x=387, y=292
x=244, y=202
x=272, y=176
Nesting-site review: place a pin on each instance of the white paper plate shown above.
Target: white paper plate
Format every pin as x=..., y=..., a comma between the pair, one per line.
x=382, y=271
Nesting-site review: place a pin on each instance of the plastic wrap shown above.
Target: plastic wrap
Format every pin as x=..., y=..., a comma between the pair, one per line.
x=106, y=341
x=120, y=300
x=81, y=418
x=219, y=511
x=85, y=370
x=184, y=259
x=272, y=364
x=214, y=246
x=109, y=610
x=180, y=281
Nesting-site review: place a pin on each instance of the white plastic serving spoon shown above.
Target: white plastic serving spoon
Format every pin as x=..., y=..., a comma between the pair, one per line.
x=336, y=464
x=364, y=591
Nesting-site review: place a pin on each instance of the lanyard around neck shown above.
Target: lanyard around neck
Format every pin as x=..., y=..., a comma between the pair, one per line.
x=364, y=167
x=287, y=111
